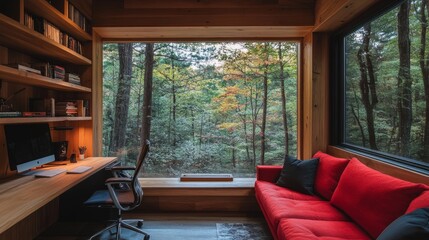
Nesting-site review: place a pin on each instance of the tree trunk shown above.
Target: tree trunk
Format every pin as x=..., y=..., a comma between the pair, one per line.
x=147, y=95
x=357, y=118
x=253, y=106
x=234, y=160
x=367, y=84
x=264, y=105
x=283, y=96
x=404, y=79
x=424, y=66
x=246, y=140
x=122, y=97
x=173, y=90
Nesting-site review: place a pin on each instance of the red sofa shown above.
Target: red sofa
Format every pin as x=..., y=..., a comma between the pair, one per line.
x=351, y=201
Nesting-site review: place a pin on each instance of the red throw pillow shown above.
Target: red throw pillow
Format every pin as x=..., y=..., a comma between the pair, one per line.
x=373, y=199
x=328, y=173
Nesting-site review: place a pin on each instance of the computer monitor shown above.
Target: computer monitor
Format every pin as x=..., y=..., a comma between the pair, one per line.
x=28, y=145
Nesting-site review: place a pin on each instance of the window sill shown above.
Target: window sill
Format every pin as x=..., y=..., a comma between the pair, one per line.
x=174, y=187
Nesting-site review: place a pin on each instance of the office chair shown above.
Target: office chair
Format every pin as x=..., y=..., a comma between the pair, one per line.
x=123, y=193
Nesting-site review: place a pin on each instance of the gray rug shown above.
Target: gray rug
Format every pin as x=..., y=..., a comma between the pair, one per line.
x=242, y=231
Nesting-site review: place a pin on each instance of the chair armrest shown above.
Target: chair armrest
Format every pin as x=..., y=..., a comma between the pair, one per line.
x=118, y=180
x=268, y=173
x=121, y=168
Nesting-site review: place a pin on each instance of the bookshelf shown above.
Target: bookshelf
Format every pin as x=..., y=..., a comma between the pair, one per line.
x=16, y=76
x=42, y=119
x=20, y=44
x=21, y=38
x=50, y=13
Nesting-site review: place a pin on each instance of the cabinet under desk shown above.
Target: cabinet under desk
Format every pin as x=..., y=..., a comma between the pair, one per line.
x=21, y=196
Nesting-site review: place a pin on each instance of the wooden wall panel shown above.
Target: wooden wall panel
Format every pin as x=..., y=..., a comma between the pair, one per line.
x=307, y=114
x=315, y=94
x=111, y=13
x=199, y=204
x=97, y=95
x=331, y=15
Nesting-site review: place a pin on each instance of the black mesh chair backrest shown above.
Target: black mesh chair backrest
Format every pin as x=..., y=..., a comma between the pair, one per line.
x=136, y=188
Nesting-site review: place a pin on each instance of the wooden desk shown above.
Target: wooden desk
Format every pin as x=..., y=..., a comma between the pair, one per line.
x=22, y=196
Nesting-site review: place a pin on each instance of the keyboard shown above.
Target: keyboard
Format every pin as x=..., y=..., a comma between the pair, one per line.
x=49, y=173
x=80, y=169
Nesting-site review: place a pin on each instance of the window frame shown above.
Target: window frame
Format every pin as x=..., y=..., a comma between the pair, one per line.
x=337, y=93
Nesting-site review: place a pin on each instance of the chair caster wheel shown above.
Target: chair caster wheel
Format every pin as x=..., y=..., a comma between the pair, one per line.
x=140, y=224
x=147, y=237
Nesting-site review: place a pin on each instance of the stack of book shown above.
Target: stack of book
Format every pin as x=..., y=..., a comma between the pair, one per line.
x=66, y=108
x=73, y=78
x=58, y=72
x=24, y=68
x=52, y=32
x=76, y=16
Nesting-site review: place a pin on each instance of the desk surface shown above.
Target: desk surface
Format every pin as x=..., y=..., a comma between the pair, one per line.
x=23, y=195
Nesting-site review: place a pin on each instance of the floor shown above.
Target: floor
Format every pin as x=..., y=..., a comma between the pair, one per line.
x=159, y=227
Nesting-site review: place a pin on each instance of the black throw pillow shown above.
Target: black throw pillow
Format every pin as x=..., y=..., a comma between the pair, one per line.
x=414, y=225
x=298, y=175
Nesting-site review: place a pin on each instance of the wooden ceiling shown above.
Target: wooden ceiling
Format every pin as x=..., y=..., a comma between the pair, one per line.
x=220, y=19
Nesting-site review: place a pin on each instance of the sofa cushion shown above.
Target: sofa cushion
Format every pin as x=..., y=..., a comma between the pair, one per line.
x=328, y=173
x=305, y=229
x=414, y=225
x=421, y=201
x=277, y=208
x=371, y=198
x=298, y=175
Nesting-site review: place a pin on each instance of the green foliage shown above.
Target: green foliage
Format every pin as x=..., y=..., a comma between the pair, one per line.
x=384, y=52
x=204, y=94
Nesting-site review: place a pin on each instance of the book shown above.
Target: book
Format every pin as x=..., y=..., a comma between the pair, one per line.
x=51, y=31
x=10, y=114
x=44, y=68
x=34, y=114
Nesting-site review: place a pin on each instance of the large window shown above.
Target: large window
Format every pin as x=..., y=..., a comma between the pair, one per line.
x=215, y=107
x=385, y=82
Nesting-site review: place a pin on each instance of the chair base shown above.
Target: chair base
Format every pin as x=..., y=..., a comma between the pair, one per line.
x=119, y=224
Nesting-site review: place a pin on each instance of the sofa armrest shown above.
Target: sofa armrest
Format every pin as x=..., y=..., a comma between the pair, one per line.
x=268, y=173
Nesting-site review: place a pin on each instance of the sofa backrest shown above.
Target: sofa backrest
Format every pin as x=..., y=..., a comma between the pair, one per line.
x=328, y=174
x=373, y=199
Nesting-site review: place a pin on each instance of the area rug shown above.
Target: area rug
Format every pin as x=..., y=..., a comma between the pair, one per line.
x=242, y=231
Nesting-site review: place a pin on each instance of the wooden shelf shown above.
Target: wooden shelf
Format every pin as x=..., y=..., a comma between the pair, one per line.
x=14, y=75
x=42, y=119
x=43, y=9
x=18, y=36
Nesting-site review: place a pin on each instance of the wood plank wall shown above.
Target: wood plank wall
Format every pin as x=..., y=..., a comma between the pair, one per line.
x=315, y=94
x=97, y=94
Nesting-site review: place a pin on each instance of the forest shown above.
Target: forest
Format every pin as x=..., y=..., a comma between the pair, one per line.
x=387, y=83
x=205, y=107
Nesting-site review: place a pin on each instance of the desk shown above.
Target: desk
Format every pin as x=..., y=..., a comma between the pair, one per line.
x=22, y=196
